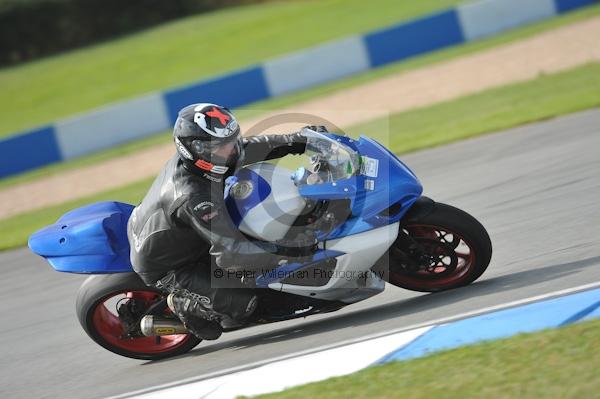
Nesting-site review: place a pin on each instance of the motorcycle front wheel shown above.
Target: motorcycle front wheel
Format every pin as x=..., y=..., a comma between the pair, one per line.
x=457, y=250
x=96, y=306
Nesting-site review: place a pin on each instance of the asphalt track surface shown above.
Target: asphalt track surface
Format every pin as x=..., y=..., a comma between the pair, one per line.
x=535, y=188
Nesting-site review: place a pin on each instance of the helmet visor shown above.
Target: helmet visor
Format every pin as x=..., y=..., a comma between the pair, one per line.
x=217, y=152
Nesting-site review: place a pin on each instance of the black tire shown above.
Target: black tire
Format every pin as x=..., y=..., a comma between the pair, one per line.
x=95, y=291
x=429, y=225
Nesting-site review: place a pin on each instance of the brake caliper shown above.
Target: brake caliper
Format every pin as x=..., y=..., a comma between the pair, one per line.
x=130, y=310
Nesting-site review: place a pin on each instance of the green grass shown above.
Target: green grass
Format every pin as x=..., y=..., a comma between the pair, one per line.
x=15, y=231
x=559, y=363
x=541, y=98
x=330, y=88
x=496, y=109
x=430, y=58
x=185, y=50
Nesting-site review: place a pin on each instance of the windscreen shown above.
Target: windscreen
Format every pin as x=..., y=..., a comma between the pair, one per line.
x=327, y=160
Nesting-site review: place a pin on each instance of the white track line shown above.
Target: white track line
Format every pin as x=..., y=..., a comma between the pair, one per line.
x=277, y=376
x=361, y=339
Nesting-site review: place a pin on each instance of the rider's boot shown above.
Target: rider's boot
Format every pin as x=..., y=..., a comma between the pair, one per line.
x=201, y=322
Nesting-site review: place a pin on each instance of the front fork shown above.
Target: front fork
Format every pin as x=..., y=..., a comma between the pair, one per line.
x=411, y=253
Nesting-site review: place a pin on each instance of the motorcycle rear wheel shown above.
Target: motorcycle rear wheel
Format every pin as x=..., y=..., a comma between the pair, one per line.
x=96, y=310
x=458, y=246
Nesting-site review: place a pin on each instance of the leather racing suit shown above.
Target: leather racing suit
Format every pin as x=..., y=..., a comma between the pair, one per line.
x=182, y=221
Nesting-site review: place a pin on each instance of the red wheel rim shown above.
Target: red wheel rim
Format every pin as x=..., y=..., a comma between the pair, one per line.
x=463, y=250
x=108, y=325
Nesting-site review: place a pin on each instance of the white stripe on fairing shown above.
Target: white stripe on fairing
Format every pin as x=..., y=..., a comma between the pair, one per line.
x=413, y=327
x=271, y=219
x=283, y=374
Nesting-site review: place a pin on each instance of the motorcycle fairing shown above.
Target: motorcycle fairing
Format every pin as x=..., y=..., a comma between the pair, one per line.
x=377, y=198
x=239, y=207
x=93, y=239
x=257, y=209
x=88, y=240
x=288, y=269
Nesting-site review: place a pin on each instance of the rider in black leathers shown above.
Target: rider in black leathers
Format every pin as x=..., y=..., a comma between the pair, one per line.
x=182, y=220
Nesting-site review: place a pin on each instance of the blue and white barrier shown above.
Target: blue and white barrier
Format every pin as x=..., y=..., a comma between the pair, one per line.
x=278, y=374
x=316, y=65
x=147, y=115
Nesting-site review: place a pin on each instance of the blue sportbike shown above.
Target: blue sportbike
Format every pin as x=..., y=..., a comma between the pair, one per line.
x=364, y=206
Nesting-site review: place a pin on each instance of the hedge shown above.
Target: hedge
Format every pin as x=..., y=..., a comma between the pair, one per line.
x=34, y=28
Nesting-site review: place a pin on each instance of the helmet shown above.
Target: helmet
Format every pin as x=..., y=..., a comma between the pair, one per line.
x=208, y=139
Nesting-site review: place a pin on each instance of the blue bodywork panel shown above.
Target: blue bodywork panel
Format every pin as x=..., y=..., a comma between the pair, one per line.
x=89, y=240
x=394, y=185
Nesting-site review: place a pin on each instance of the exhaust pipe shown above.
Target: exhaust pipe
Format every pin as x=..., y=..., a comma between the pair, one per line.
x=152, y=326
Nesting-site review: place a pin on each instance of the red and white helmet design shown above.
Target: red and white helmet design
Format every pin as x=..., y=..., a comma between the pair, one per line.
x=215, y=120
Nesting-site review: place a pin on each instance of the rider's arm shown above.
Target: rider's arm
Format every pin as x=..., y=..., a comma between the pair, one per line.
x=264, y=148
x=210, y=219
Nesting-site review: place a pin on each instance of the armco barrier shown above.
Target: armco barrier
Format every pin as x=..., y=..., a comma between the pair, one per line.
x=486, y=18
x=139, y=117
x=234, y=90
x=28, y=151
x=112, y=125
x=320, y=64
x=413, y=38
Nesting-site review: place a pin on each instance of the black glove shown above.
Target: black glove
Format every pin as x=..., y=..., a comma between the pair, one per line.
x=264, y=256
x=316, y=128
x=300, y=249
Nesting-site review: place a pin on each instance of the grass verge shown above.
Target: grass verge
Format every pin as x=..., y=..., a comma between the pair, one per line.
x=541, y=98
x=15, y=231
x=322, y=90
x=185, y=50
x=560, y=363
x=546, y=97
